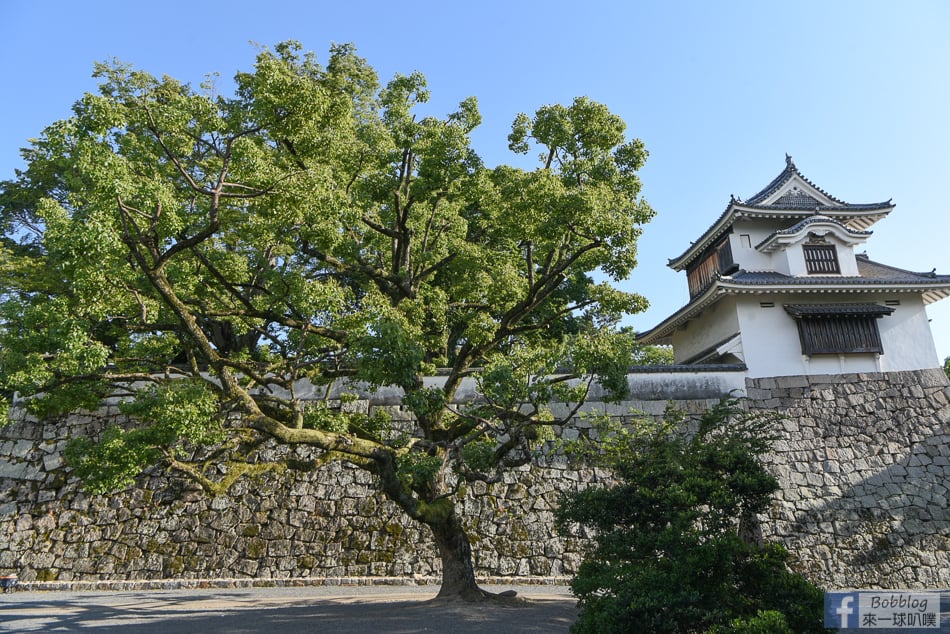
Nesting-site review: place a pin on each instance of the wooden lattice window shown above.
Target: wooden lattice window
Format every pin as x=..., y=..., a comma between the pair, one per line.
x=839, y=328
x=821, y=258
x=716, y=261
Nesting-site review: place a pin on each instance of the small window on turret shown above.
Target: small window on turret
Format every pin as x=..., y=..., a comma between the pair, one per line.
x=821, y=258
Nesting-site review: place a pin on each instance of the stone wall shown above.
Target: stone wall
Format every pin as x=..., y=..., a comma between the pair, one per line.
x=862, y=459
x=310, y=523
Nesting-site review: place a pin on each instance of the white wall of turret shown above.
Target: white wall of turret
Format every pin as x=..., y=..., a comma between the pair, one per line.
x=771, y=344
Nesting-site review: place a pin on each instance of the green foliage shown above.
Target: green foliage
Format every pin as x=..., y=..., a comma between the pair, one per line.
x=113, y=462
x=668, y=553
x=946, y=366
x=377, y=425
x=343, y=420
x=389, y=354
x=417, y=471
x=254, y=253
x=605, y=355
x=319, y=415
x=425, y=403
x=179, y=410
x=479, y=455
x=764, y=622
x=653, y=355
x=168, y=415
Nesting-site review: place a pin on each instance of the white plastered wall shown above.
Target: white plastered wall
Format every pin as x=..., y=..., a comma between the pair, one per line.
x=907, y=338
x=788, y=260
x=772, y=346
x=743, y=249
x=714, y=325
x=794, y=258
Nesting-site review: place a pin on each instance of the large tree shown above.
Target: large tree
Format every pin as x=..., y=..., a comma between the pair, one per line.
x=204, y=256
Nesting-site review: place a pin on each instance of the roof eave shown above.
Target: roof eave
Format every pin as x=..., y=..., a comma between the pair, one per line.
x=659, y=333
x=719, y=227
x=930, y=293
x=871, y=213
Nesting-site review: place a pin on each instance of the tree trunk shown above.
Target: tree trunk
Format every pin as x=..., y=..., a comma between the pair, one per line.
x=455, y=550
x=458, y=569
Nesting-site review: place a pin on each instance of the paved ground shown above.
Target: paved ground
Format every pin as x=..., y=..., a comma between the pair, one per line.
x=330, y=609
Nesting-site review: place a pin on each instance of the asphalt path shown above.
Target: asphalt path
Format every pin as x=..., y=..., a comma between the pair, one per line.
x=330, y=609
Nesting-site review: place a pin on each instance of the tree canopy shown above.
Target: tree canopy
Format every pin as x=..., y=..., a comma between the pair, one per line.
x=203, y=256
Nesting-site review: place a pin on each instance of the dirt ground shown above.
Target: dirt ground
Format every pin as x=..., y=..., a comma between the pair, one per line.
x=378, y=610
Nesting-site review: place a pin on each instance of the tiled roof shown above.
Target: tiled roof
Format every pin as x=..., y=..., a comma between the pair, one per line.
x=837, y=310
x=869, y=268
x=874, y=277
x=820, y=218
x=851, y=207
x=872, y=273
x=683, y=367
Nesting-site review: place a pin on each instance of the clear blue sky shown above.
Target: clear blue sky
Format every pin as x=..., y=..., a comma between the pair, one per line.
x=858, y=92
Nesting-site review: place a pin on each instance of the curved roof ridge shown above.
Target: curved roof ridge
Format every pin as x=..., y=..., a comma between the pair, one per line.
x=856, y=206
x=735, y=207
x=820, y=218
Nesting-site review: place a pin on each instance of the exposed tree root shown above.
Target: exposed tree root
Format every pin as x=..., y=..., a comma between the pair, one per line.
x=479, y=595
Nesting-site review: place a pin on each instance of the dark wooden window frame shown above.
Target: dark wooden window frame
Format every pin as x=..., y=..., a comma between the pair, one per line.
x=821, y=258
x=839, y=328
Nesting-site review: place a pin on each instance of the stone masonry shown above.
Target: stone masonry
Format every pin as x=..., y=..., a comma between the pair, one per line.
x=863, y=460
x=309, y=523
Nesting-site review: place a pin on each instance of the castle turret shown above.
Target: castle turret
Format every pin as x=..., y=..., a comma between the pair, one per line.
x=780, y=283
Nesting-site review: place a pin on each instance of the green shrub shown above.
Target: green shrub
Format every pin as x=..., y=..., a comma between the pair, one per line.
x=671, y=552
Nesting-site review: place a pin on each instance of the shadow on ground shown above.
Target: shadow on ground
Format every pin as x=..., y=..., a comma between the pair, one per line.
x=246, y=611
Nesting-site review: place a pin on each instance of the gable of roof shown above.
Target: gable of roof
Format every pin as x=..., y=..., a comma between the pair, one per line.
x=795, y=199
x=844, y=233
x=791, y=172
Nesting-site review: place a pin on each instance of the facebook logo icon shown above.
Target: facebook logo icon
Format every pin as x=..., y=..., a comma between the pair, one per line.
x=841, y=609
x=916, y=610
